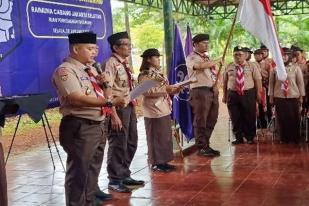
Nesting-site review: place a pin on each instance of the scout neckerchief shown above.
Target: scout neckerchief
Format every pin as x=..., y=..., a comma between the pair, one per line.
x=98, y=91
x=212, y=69
x=166, y=96
x=240, y=79
x=127, y=68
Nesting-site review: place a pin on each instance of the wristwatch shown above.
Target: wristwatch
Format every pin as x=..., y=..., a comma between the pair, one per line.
x=109, y=102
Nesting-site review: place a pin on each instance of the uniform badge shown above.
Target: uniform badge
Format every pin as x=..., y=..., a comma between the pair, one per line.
x=88, y=91
x=84, y=78
x=62, y=72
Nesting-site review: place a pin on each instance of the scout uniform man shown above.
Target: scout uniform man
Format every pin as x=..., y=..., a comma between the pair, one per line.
x=287, y=96
x=241, y=87
x=81, y=132
x=203, y=94
x=266, y=57
x=122, y=136
x=300, y=60
x=248, y=53
x=265, y=112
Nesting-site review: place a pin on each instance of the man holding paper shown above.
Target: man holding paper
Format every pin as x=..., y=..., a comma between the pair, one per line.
x=203, y=94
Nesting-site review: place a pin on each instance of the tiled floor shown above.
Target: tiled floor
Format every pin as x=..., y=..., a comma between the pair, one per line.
x=262, y=174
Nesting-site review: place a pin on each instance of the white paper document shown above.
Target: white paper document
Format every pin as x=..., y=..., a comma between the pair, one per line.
x=142, y=88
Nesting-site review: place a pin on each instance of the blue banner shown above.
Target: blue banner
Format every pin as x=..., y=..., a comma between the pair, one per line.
x=33, y=39
x=181, y=113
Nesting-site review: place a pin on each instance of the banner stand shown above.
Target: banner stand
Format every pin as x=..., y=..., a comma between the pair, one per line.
x=34, y=105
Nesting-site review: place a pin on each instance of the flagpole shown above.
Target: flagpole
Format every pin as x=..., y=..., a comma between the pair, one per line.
x=226, y=47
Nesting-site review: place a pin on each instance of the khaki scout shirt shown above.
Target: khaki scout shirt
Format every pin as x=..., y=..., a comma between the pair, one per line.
x=304, y=68
x=295, y=79
x=70, y=77
x=156, y=102
x=204, y=77
x=251, y=71
x=265, y=69
x=119, y=77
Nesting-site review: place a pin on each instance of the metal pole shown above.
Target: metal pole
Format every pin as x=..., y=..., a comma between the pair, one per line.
x=168, y=32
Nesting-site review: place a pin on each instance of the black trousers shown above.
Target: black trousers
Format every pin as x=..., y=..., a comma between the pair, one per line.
x=122, y=145
x=264, y=116
x=242, y=110
x=288, y=118
x=3, y=184
x=84, y=141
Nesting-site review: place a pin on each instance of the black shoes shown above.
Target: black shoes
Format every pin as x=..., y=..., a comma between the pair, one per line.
x=169, y=166
x=132, y=182
x=250, y=142
x=103, y=196
x=163, y=167
x=119, y=187
x=208, y=152
x=237, y=141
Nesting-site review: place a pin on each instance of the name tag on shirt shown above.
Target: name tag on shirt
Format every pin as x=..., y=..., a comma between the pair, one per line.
x=84, y=78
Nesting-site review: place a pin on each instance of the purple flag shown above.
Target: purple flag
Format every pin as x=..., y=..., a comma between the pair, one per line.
x=188, y=44
x=181, y=113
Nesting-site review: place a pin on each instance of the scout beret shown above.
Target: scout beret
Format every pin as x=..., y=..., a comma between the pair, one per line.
x=150, y=52
x=263, y=47
x=200, y=37
x=286, y=50
x=238, y=48
x=83, y=38
x=258, y=51
x=112, y=39
x=246, y=49
x=296, y=48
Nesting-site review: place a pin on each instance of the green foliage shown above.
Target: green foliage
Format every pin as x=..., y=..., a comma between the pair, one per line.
x=147, y=30
x=26, y=124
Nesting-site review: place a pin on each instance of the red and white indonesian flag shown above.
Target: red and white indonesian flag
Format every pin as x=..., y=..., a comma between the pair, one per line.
x=256, y=17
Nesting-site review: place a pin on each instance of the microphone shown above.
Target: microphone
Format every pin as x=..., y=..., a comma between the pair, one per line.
x=98, y=67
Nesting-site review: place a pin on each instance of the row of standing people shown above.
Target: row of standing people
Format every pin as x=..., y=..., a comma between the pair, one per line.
x=259, y=80
x=95, y=108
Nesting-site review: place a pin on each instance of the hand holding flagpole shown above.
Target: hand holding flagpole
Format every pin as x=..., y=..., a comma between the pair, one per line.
x=221, y=62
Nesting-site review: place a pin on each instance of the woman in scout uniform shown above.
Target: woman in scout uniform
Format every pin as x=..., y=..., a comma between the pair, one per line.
x=156, y=111
x=287, y=96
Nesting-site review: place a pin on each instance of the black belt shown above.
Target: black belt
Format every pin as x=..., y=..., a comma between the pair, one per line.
x=84, y=120
x=204, y=88
x=245, y=91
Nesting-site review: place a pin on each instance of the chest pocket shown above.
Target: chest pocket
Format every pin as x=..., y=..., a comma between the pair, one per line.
x=122, y=77
x=291, y=72
x=86, y=85
x=248, y=74
x=231, y=74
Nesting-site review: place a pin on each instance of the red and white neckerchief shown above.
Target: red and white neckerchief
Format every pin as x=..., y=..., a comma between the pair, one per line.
x=98, y=91
x=240, y=79
x=213, y=71
x=285, y=87
x=128, y=70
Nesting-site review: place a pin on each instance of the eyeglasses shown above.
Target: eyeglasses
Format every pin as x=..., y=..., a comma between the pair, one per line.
x=238, y=54
x=125, y=44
